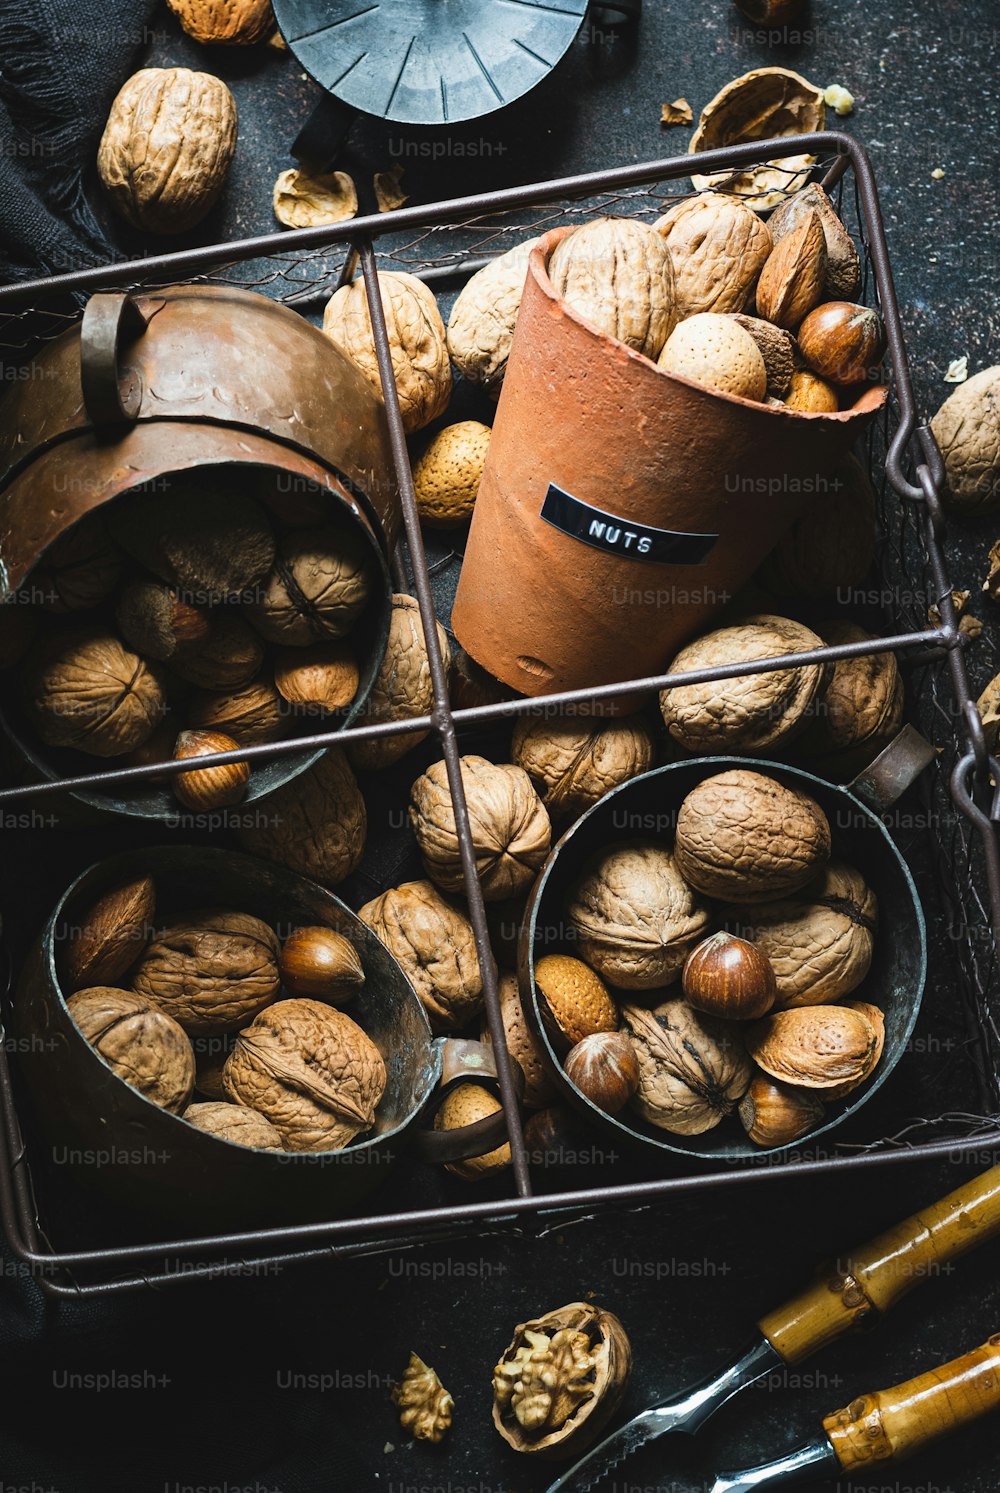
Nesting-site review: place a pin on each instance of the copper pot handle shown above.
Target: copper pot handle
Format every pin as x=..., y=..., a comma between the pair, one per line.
x=463, y=1061
x=112, y=394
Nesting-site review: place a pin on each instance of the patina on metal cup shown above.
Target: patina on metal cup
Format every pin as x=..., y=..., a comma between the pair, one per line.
x=895, y=982
x=121, y=1144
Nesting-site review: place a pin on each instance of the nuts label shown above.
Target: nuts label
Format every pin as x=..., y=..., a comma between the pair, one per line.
x=607, y=531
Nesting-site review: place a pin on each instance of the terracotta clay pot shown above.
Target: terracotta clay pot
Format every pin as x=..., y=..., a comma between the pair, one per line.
x=622, y=506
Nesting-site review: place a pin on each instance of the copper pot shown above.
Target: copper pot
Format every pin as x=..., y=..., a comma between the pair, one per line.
x=627, y=504
x=186, y=378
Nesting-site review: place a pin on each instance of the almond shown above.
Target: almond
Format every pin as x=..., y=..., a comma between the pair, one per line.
x=791, y=282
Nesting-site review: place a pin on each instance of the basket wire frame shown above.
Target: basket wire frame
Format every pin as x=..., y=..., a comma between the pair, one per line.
x=440, y=243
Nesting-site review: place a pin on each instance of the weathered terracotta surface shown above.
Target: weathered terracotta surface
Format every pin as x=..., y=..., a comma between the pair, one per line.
x=545, y=611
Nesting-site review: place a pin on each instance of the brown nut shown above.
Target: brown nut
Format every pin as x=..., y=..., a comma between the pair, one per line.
x=436, y=948
x=561, y=1380
x=232, y=23
x=167, y=147
x=555, y=1136
x=157, y=621
x=481, y=325
x=510, y=827
x=605, y=1069
x=859, y=709
x=791, y=282
x=777, y=347
x=214, y=787
x=843, y=266
x=448, y=472
x=729, y=977
x=714, y=350
x=773, y=1114
x=876, y=1016
x=573, y=763
x=208, y=541
x=831, y=1048
x=228, y=658
x=316, y=824
x=617, y=274
x=465, y=1105
x=211, y=971
x=521, y=1043
x=79, y=570
x=311, y=1071
x=967, y=428
x=402, y=687
x=425, y=1406
x=234, y=1123
x=321, y=963
x=743, y=836
x=110, y=935
x=693, y=1069
x=718, y=246
x=635, y=917
x=88, y=692
x=301, y=200
x=575, y=1002
x=324, y=676
x=811, y=395
x=143, y=1045
x=320, y=584
x=250, y=715
x=763, y=103
x=843, y=342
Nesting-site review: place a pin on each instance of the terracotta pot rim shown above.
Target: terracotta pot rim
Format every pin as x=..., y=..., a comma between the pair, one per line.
x=872, y=399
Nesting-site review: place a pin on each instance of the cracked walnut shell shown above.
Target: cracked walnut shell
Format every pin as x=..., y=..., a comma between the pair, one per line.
x=745, y=837
x=762, y=104
x=481, y=325
x=425, y=1406
x=618, y=275
x=402, y=688
x=310, y=1071
x=572, y=763
x=211, y=971
x=435, y=946
x=752, y=711
x=167, y=147
x=718, y=247
x=634, y=916
x=561, y=1379
x=416, y=341
x=304, y=201
x=510, y=827
x=142, y=1044
x=693, y=1068
x=87, y=691
x=316, y=824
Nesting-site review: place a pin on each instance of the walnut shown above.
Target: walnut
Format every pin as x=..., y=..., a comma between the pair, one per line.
x=967, y=428
x=820, y=942
x=510, y=828
x=693, y=1068
x=718, y=246
x=402, y=687
x=481, y=325
x=842, y=280
x=234, y=23
x=211, y=971
x=857, y=712
x=85, y=690
x=227, y=659
x=829, y=549
x=143, y=1045
x=309, y=1070
x=522, y=1044
x=167, y=147
x=304, y=201
x=833, y=1048
x=573, y=763
x=744, y=837
x=753, y=711
x=561, y=1379
x=253, y=714
x=617, y=273
x=80, y=570
x=425, y=1406
x=435, y=946
x=766, y=102
x=316, y=824
x=210, y=543
x=416, y=341
x=634, y=917
x=235, y=1123
x=319, y=586
x=110, y=935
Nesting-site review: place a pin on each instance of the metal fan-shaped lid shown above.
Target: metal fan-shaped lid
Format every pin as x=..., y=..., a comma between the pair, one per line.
x=429, y=61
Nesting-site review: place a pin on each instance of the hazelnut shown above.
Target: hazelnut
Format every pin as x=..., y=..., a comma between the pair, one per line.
x=324, y=676
x=211, y=787
x=211, y=970
x=249, y=715
x=554, y=1136
x=729, y=977
x=321, y=963
x=833, y=1048
x=714, y=350
x=843, y=342
x=110, y=936
x=142, y=1044
x=464, y=1105
x=235, y=1123
x=773, y=1114
x=811, y=395
x=605, y=1069
x=319, y=586
x=157, y=621
x=575, y=1001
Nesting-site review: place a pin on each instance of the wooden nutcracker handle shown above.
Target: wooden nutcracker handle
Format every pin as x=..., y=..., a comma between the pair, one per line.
x=896, y=1422
x=875, y=1276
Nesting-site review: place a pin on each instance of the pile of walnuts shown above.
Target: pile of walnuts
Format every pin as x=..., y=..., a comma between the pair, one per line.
x=719, y=972
x=210, y=1002
x=193, y=617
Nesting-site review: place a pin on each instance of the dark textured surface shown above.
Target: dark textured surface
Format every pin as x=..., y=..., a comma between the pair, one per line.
x=281, y=1383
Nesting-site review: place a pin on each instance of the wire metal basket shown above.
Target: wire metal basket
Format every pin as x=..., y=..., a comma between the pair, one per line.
x=950, y=1100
